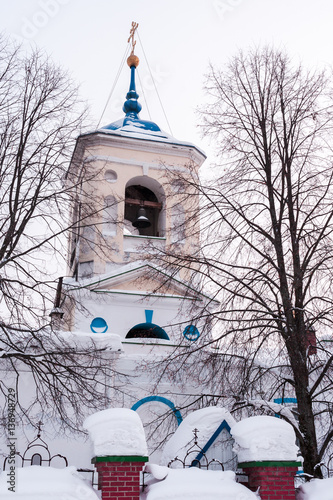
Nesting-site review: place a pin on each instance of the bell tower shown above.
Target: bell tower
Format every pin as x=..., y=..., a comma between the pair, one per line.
x=131, y=204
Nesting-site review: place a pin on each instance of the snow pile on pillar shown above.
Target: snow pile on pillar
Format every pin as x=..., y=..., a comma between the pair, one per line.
x=38, y=483
x=116, y=432
x=264, y=438
x=194, y=484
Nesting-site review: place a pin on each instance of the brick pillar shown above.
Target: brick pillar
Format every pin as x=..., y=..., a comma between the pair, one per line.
x=119, y=477
x=275, y=479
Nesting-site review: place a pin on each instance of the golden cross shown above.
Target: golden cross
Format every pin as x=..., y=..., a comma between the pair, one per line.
x=131, y=37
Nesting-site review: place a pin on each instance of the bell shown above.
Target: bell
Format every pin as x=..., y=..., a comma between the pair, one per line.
x=141, y=220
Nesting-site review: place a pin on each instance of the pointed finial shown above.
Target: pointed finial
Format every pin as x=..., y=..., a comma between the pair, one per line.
x=131, y=106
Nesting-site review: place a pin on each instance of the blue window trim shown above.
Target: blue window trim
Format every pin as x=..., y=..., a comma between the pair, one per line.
x=160, y=400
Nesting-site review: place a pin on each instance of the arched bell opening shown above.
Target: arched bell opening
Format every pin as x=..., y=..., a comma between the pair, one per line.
x=143, y=207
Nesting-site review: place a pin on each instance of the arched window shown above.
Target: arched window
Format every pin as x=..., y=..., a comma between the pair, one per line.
x=159, y=399
x=147, y=331
x=110, y=215
x=141, y=204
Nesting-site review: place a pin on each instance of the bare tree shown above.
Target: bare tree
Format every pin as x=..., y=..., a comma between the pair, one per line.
x=266, y=254
x=40, y=117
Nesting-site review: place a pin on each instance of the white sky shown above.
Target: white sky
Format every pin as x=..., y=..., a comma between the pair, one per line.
x=179, y=37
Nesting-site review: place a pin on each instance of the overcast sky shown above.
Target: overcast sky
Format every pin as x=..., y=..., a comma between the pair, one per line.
x=179, y=37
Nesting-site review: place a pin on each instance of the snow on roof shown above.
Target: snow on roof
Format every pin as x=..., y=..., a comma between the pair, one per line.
x=40, y=483
x=138, y=129
x=107, y=341
x=193, y=484
x=116, y=432
x=264, y=438
x=206, y=420
x=317, y=489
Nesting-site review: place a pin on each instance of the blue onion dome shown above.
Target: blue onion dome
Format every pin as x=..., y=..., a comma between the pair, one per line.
x=131, y=122
x=132, y=126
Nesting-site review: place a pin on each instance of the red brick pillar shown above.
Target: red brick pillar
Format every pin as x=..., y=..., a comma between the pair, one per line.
x=275, y=479
x=119, y=477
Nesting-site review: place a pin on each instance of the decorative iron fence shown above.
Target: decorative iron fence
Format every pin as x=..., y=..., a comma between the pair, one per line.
x=37, y=453
x=195, y=456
